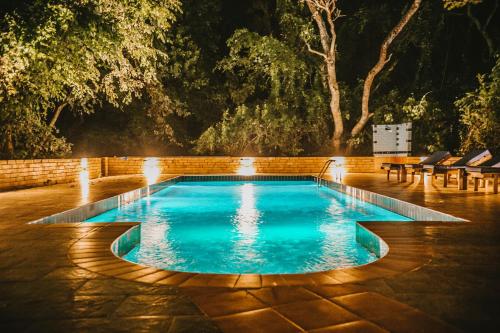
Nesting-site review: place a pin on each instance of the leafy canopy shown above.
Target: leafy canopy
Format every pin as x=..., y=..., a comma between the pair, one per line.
x=480, y=113
x=77, y=54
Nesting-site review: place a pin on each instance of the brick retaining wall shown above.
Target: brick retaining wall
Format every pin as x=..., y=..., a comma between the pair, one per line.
x=31, y=173
x=223, y=165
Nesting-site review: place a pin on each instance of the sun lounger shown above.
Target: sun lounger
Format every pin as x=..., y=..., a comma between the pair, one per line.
x=402, y=169
x=473, y=158
x=487, y=170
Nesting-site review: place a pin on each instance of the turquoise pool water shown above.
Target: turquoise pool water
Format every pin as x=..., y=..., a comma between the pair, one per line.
x=249, y=227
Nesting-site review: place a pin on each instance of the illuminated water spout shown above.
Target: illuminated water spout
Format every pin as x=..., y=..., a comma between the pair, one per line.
x=151, y=170
x=246, y=166
x=84, y=179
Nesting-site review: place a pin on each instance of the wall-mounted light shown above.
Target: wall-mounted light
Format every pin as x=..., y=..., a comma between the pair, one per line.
x=246, y=166
x=151, y=170
x=84, y=180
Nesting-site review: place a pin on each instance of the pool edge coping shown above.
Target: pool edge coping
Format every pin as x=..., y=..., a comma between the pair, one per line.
x=96, y=254
x=108, y=263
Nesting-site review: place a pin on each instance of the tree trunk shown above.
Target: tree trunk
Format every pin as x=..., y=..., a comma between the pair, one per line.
x=382, y=60
x=9, y=143
x=338, y=124
x=328, y=38
x=56, y=114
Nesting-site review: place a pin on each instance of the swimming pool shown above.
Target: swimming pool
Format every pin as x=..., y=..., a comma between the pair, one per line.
x=265, y=227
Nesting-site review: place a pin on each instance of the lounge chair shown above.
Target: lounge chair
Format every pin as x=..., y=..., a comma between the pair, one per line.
x=402, y=168
x=472, y=158
x=487, y=170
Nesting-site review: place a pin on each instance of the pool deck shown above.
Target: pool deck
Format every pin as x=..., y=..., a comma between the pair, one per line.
x=437, y=277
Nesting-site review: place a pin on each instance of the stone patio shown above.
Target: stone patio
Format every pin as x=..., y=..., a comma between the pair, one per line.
x=63, y=277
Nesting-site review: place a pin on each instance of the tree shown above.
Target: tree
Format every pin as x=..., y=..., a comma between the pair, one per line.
x=322, y=10
x=277, y=96
x=325, y=13
x=76, y=55
x=480, y=113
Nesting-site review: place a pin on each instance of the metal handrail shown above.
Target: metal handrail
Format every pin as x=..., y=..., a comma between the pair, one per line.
x=323, y=170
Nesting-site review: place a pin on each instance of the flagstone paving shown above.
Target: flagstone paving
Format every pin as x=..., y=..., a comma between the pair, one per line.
x=438, y=277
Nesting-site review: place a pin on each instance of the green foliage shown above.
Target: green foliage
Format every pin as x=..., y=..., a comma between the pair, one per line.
x=480, y=113
x=79, y=54
x=28, y=135
x=126, y=73
x=259, y=130
x=277, y=96
x=430, y=128
x=454, y=4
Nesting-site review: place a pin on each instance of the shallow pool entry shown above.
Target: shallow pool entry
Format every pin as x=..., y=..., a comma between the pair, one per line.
x=265, y=227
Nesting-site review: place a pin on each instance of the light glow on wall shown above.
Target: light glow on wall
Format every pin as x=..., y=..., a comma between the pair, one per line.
x=337, y=170
x=246, y=166
x=84, y=180
x=151, y=170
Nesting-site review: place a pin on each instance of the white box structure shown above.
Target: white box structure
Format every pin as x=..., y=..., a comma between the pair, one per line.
x=392, y=140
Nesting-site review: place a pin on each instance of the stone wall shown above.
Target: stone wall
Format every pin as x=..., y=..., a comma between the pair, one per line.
x=223, y=165
x=30, y=173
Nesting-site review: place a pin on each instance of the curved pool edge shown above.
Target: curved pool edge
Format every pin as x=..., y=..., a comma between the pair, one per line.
x=370, y=241
x=98, y=253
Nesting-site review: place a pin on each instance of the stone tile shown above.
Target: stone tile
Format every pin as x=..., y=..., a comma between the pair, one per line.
x=344, y=276
x=91, y=261
x=159, y=324
x=359, y=326
x=42, y=289
x=265, y=320
x=154, y=277
x=297, y=279
x=24, y=273
x=154, y=305
x=371, y=305
x=322, y=279
x=282, y=295
x=413, y=321
x=197, y=280
x=223, y=280
x=315, y=314
x=134, y=274
x=176, y=279
x=111, y=286
x=249, y=281
x=189, y=324
x=227, y=303
x=337, y=290
x=63, y=308
x=460, y=285
x=71, y=273
x=272, y=280
x=123, y=270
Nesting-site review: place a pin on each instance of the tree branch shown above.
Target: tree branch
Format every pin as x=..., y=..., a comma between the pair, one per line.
x=382, y=61
x=57, y=113
x=482, y=29
x=492, y=13
x=310, y=49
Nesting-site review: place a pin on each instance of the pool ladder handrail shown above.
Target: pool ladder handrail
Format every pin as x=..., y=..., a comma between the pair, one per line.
x=323, y=170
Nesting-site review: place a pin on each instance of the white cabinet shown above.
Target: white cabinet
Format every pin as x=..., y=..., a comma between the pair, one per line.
x=392, y=140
